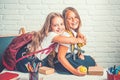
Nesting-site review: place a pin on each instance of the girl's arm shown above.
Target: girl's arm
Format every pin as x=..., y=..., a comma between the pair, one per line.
x=67, y=40
x=61, y=57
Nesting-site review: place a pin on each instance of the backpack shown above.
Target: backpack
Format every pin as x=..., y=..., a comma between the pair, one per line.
x=9, y=56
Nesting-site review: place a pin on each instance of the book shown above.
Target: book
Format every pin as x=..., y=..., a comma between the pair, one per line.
x=46, y=70
x=9, y=76
x=95, y=70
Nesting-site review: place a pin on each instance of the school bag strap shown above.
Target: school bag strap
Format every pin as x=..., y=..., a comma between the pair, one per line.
x=72, y=45
x=79, y=45
x=46, y=50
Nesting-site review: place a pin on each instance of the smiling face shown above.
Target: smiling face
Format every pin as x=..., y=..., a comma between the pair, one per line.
x=71, y=20
x=57, y=25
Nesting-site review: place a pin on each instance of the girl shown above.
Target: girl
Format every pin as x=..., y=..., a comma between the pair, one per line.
x=49, y=34
x=66, y=62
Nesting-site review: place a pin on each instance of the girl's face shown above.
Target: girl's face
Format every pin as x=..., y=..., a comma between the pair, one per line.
x=72, y=20
x=57, y=25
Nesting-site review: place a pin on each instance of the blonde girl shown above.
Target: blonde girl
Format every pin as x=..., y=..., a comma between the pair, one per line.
x=49, y=34
x=64, y=62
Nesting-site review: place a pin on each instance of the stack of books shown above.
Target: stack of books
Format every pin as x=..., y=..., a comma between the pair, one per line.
x=95, y=70
x=46, y=70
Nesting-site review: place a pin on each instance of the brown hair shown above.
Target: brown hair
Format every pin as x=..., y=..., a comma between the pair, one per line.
x=65, y=17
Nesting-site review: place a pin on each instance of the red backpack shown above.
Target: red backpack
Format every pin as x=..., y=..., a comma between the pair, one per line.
x=9, y=56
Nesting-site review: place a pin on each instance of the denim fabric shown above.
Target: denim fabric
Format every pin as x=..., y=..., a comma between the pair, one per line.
x=20, y=66
x=89, y=61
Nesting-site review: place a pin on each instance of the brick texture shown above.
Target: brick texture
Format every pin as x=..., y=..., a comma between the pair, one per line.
x=100, y=23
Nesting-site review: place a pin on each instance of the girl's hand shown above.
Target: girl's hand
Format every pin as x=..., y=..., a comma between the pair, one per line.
x=81, y=56
x=79, y=73
x=82, y=70
x=82, y=37
x=81, y=41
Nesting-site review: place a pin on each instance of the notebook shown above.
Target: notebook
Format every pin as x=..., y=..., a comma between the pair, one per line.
x=95, y=70
x=9, y=76
x=46, y=70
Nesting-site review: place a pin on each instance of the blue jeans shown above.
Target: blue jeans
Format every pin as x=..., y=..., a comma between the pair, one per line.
x=87, y=62
x=21, y=65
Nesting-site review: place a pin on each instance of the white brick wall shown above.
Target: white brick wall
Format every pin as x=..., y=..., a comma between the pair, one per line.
x=100, y=18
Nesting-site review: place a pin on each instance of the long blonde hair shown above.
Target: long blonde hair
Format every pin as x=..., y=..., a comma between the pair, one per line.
x=39, y=36
x=65, y=17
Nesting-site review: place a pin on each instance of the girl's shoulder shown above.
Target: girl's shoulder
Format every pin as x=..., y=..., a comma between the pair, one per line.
x=52, y=34
x=66, y=34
